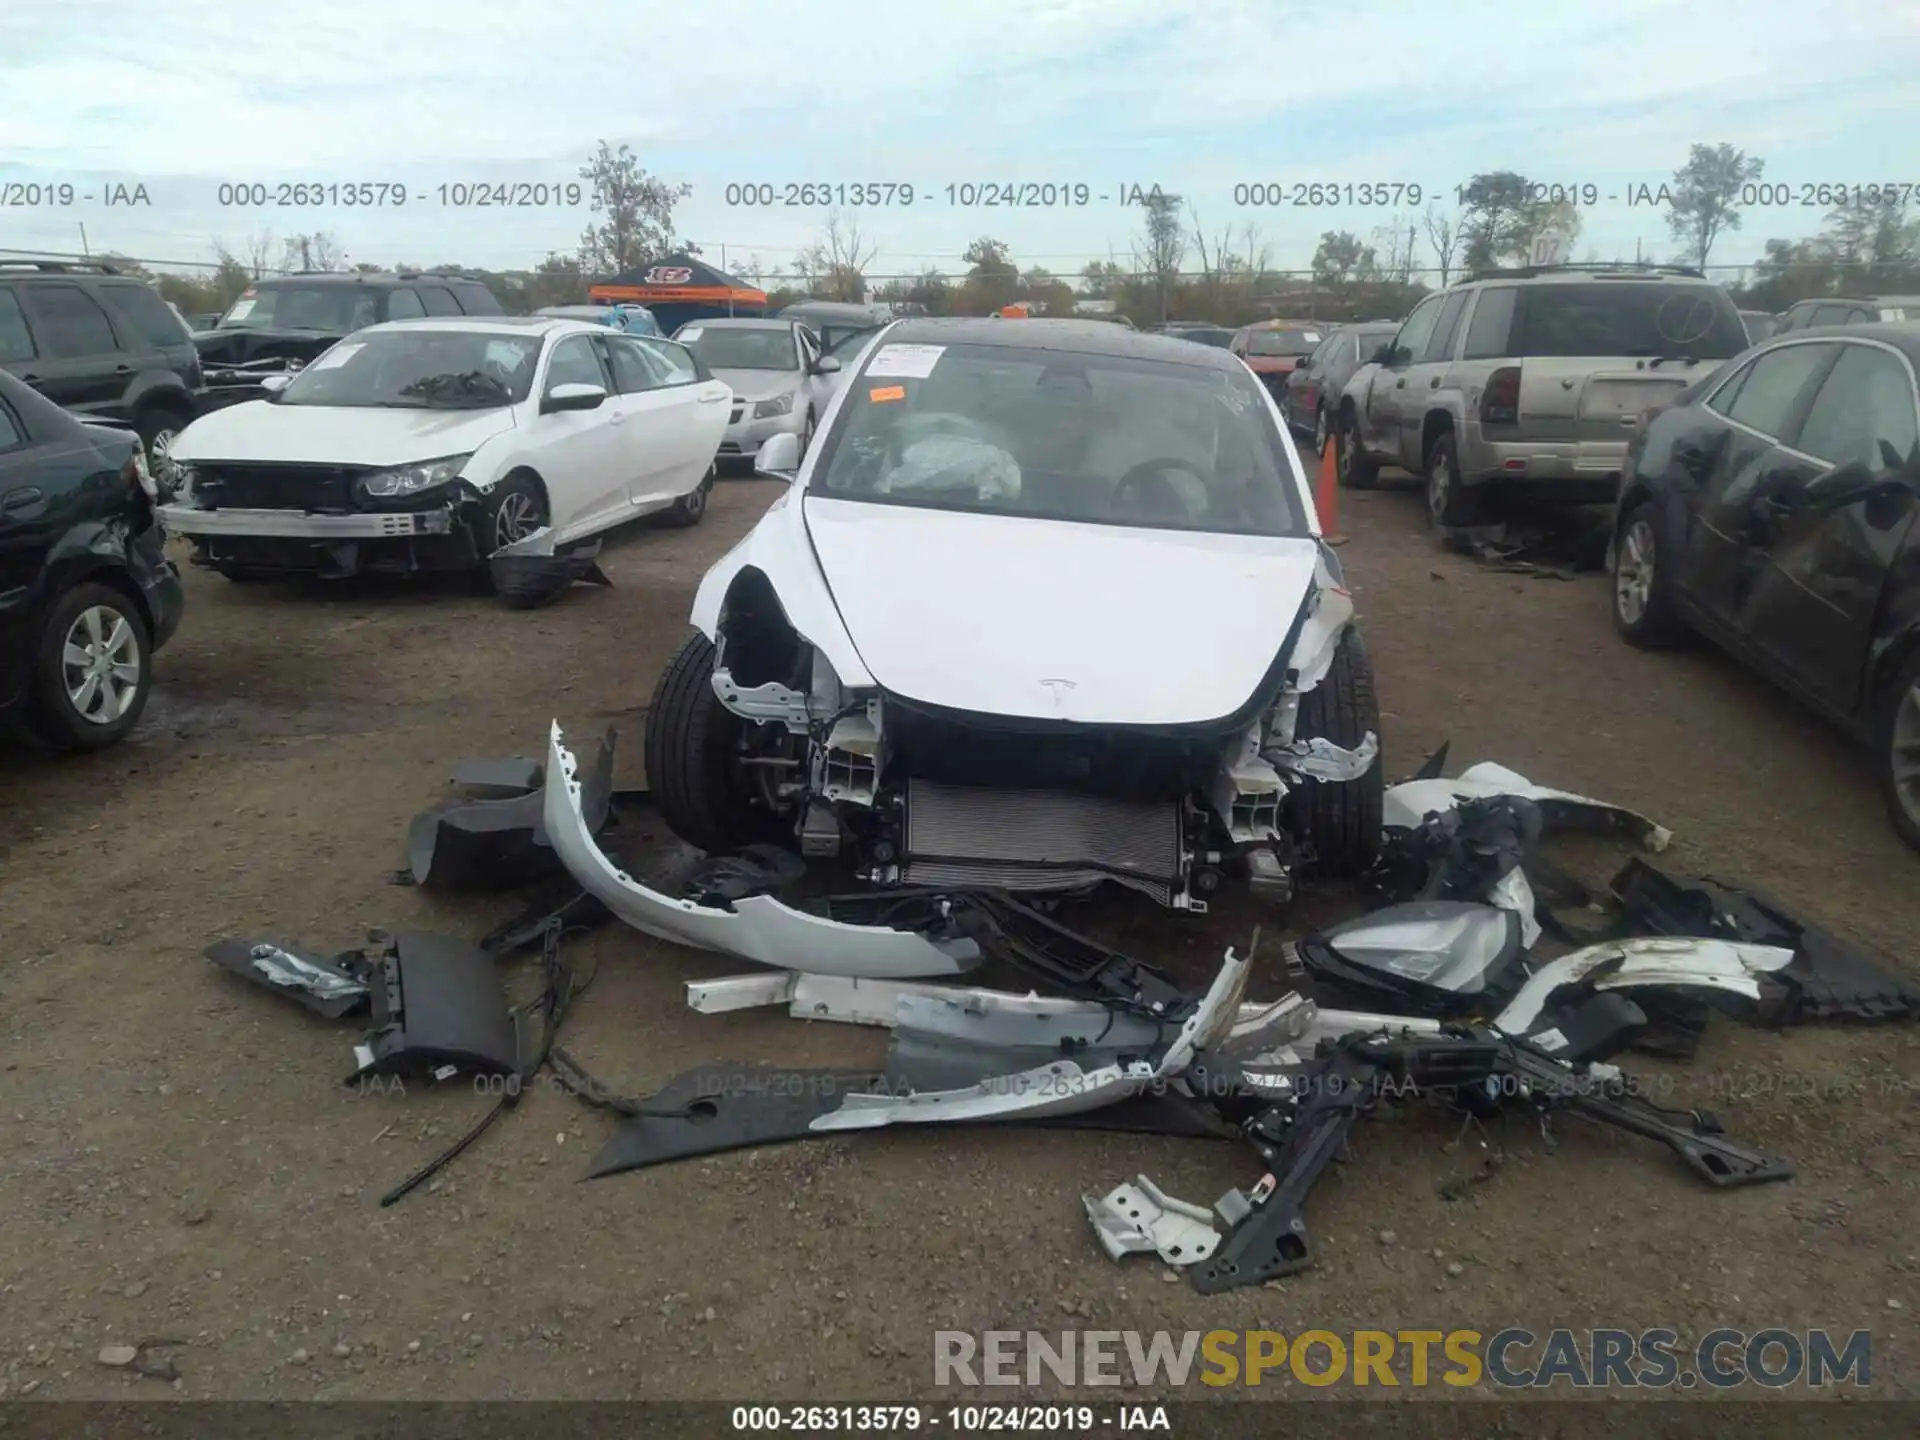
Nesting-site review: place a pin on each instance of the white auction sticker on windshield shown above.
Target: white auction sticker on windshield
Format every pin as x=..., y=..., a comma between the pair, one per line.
x=338, y=355
x=1311, y=337
x=240, y=311
x=688, y=336
x=910, y=362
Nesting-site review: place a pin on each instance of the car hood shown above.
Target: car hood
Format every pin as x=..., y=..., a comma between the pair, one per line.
x=263, y=432
x=1052, y=620
x=760, y=384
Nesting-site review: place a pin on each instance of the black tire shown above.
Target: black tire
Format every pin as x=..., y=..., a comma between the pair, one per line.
x=504, y=512
x=690, y=509
x=52, y=714
x=692, y=750
x=1350, y=462
x=1322, y=432
x=1898, y=745
x=157, y=423
x=1450, y=504
x=1644, y=609
x=806, y=436
x=1340, y=819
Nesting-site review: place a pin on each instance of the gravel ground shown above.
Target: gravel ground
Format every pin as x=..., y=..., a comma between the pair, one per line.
x=183, y=1160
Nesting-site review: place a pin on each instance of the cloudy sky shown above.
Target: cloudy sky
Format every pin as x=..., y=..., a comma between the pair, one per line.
x=1199, y=98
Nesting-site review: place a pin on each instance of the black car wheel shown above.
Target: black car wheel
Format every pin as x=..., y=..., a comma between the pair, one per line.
x=693, y=757
x=1320, y=436
x=1643, y=607
x=1340, y=819
x=1900, y=751
x=93, y=670
x=1354, y=469
x=691, y=508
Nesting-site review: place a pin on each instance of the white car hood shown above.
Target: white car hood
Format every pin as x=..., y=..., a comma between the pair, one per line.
x=760, y=384
x=260, y=431
x=1045, y=619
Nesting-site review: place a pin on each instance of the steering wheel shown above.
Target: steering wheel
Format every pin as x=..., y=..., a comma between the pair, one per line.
x=1156, y=471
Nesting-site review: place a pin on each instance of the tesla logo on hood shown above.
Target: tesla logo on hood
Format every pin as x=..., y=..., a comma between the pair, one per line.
x=1054, y=687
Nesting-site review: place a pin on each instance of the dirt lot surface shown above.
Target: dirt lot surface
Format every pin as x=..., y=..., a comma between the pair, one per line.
x=182, y=1158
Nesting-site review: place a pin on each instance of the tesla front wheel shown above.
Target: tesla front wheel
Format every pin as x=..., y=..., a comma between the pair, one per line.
x=695, y=753
x=1340, y=819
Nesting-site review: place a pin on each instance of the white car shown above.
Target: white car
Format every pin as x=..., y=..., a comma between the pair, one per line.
x=781, y=382
x=432, y=444
x=1046, y=605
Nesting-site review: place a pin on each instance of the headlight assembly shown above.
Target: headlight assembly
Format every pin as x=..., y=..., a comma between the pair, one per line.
x=411, y=479
x=780, y=405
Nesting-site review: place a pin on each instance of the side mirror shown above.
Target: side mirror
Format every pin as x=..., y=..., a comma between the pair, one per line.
x=1383, y=356
x=274, y=384
x=779, y=458
x=826, y=365
x=573, y=397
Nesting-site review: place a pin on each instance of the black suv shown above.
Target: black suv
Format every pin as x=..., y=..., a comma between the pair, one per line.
x=102, y=344
x=86, y=594
x=296, y=317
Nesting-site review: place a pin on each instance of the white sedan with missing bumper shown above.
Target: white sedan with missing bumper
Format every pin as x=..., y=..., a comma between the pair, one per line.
x=431, y=444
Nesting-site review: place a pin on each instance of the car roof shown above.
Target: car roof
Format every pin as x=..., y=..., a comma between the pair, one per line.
x=366, y=277
x=1084, y=337
x=492, y=325
x=741, y=322
x=1814, y=301
x=1903, y=335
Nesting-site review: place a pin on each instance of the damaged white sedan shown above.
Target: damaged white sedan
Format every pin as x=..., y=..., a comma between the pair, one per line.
x=1046, y=605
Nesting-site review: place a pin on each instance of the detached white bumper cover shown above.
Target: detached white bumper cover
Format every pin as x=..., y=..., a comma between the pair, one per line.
x=297, y=525
x=758, y=928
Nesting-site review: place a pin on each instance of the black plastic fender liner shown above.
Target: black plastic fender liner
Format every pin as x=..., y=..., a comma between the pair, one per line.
x=738, y=1107
x=475, y=842
x=437, y=1002
x=525, y=579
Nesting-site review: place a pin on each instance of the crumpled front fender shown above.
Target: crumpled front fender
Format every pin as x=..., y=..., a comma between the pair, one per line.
x=758, y=928
x=1651, y=962
x=779, y=549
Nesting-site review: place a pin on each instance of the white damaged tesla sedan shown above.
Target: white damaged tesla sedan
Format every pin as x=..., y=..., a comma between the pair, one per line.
x=1045, y=605
x=433, y=444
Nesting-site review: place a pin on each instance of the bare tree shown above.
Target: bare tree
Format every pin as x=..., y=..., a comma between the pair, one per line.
x=1443, y=234
x=847, y=254
x=1162, y=245
x=1398, y=245
x=318, y=251
x=1706, y=196
x=635, y=214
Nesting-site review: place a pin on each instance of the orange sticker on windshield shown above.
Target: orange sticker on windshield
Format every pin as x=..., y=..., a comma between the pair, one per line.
x=887, y=392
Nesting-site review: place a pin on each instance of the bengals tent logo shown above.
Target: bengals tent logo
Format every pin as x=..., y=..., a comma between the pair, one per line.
x=669, y=275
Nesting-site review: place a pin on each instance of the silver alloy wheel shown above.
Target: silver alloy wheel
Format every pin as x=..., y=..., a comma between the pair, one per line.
x=694, y=503
x=1343, y=455
x=517, y=518
x=1320, y=432
x=1633, y=573
x=160, y=458
x=1904, y=756
x=1439, y=488
x=100, y=664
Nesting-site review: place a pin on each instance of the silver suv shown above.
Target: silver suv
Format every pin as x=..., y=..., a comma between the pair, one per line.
x=1534, y=378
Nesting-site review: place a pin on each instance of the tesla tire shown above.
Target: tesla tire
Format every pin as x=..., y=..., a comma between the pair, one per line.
x=693, y=756
x=1340, y=819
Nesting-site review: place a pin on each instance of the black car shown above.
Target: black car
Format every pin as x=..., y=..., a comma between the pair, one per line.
x=86, y=593
x=285, y=321
x=102, y=344
x=1771, y=508
x=1847, y=310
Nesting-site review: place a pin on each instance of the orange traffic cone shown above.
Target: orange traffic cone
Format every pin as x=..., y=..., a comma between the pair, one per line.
x=1327, y=500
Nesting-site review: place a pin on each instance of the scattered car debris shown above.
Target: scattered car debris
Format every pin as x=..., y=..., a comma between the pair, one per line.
x=497, y=836
x=1137, y=1218
x=437, y=1003
x=530, y=572
x=1428, y=957
x=1827, y=978
x=758, y=927
x=138, y=1358
x=1406, y=805
x=1552, y=546
x=331, y=988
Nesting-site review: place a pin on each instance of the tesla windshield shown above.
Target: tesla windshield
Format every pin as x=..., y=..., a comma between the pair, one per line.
x=1062, y=436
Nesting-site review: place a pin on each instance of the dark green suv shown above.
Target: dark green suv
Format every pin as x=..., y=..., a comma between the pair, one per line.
x=101, y=344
